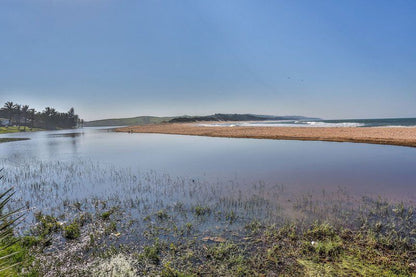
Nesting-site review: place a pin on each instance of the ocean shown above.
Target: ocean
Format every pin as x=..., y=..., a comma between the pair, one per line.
x=379, y=122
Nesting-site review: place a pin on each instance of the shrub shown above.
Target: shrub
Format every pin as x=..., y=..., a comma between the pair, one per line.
x=72, y=231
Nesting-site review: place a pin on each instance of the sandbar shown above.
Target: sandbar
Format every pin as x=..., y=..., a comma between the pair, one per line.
x=403, y=136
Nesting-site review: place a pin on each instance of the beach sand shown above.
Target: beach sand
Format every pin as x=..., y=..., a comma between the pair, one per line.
x=376, y=135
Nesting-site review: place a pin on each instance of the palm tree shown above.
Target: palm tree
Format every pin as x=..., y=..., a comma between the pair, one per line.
x=49, y=118
x=9, y=107
x=31, y=117
x=18, y=112
x=8, y=220
x=49, y=115
x=25, y=110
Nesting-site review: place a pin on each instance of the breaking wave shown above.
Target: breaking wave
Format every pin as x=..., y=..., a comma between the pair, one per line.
x=382, y=122
x=283, y=123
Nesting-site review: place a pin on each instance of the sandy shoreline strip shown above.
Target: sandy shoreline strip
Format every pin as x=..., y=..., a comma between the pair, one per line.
x=379, y=135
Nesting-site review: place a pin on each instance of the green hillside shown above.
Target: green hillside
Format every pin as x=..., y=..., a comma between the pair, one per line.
x=140, y=120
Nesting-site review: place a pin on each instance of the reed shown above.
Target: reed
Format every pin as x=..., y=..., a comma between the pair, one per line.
x=153, y=224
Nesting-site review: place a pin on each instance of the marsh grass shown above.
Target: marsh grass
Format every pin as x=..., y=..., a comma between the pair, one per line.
x=72, y=231
x=85, y=215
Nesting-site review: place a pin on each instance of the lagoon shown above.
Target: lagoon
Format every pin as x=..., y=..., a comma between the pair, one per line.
x=362, y=169
x=156, y=199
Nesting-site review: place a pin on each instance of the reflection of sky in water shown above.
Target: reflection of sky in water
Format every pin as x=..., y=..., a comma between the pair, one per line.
x=68, y=135
x=300, y=165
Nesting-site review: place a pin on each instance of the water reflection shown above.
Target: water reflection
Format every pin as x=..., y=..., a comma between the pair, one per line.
x=300, y=165
x=68, y=135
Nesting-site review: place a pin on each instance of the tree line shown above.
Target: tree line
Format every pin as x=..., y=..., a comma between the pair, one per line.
x=49, y=118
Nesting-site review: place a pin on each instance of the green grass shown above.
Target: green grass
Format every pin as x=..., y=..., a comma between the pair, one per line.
x=106, y=215
x=201, y=210
x=152, y=252
x=15, y=129
x=47, y=225
x=72, y=231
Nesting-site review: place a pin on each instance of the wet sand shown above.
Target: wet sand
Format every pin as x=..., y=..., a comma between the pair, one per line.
x=375, y=135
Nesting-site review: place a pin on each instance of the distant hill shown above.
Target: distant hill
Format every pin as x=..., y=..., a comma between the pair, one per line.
x=140, y=120
x=144, y=120
x=237, y=117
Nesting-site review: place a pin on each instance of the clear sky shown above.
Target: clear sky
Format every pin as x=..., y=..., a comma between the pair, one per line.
x=122, y=58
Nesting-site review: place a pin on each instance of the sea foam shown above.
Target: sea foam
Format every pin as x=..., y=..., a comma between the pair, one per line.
x=283, y=123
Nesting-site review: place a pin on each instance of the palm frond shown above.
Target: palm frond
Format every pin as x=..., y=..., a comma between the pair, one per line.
x=8, y=220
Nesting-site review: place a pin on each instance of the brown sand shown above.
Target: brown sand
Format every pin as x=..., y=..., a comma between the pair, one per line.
x=392, y=136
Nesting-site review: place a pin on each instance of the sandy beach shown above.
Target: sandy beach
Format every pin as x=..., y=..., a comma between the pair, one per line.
x=379, y=135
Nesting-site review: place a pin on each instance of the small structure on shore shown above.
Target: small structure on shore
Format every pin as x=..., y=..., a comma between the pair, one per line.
x=4, y=122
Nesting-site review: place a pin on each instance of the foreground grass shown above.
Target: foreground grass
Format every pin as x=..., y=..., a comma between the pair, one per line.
x=13, y=255
x=93, y=245
x=153, y=225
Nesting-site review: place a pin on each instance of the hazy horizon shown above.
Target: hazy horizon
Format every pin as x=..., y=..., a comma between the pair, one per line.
x=283, y=115
x=112, y=59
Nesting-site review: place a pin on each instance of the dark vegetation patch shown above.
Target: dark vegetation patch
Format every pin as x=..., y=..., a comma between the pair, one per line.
x=11, y=139
x=235, y=117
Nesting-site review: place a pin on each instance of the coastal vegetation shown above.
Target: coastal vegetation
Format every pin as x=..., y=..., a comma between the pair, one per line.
x=18, y=117
x=14, y=256
x=156, y=225
x=140, y=120
x=236, y=117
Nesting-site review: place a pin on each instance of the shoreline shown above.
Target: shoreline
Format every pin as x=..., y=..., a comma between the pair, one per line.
x=371, y=135
x=14, y=129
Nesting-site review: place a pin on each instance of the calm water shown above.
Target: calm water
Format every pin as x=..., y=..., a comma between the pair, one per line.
x=300, y=166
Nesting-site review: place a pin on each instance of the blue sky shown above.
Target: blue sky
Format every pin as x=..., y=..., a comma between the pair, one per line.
x=330, y=59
